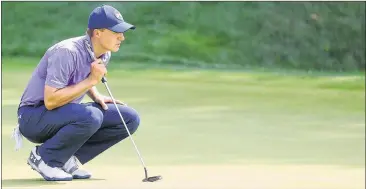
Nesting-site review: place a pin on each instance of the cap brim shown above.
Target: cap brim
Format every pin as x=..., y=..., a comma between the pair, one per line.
x=122, y=27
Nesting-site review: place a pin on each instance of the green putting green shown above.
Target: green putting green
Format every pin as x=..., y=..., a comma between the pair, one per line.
x=212, y=117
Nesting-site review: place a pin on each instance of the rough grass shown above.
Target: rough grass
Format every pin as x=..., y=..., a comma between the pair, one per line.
x=297, y=35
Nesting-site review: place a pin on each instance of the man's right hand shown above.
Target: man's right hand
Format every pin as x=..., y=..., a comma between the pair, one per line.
x=97, y=71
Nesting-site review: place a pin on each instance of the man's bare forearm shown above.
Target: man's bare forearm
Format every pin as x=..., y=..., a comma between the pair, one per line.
x=93, y=93
x=60, y=97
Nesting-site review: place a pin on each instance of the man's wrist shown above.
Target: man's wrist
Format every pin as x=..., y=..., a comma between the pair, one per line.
x=96, y=98
x=95, y=95
x=91, y=81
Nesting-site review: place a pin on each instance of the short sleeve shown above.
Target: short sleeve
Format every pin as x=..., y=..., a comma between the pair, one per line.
x=59, y=68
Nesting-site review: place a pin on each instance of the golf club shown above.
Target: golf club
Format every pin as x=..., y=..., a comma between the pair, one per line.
x=104, y=80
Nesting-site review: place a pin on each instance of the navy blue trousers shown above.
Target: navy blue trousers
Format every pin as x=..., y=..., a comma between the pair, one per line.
x=84, y=130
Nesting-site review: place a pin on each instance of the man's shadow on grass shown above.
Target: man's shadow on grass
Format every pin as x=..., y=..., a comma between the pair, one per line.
x=39, y=182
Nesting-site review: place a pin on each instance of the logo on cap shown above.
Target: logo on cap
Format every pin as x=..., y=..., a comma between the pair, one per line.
x=118, y=15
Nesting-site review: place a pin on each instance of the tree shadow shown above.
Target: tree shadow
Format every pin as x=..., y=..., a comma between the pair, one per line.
x=38, y=182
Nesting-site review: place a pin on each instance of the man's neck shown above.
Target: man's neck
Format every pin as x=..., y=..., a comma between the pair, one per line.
x=98, y=50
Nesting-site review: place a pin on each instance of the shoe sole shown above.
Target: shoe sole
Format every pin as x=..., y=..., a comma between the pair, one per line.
x=46, y=177
x=81, y=177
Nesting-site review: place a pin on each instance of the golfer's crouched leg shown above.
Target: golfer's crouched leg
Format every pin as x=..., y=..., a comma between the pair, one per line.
x=111, y=132
x=132, y=120
x=62, y=131
x=113, y=121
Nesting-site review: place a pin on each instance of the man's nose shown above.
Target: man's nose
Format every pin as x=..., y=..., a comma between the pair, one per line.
x=121, y=37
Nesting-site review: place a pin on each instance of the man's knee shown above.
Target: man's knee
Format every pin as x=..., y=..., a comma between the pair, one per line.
x=134, y=121
x=91, y=118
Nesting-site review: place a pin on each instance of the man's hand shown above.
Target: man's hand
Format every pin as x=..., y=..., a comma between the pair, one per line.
x=97, y=71
x=102, y=100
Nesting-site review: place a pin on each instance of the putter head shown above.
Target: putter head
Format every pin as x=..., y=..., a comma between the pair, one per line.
x=152, y=179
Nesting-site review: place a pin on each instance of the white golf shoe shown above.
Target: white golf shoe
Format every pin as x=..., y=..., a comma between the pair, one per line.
x=71, y=167
x=47, y=172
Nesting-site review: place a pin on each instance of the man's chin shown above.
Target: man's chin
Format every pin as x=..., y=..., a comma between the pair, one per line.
x=114, y=50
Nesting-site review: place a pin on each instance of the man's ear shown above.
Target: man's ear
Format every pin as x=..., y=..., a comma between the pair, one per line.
x=97, y=32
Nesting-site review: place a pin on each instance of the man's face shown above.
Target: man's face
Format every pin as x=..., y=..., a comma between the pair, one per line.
x=110, y=40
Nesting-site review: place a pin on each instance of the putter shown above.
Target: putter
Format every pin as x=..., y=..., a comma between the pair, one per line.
x=104, y=81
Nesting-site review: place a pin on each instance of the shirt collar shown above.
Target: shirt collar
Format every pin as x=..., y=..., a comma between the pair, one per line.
x=89, y=43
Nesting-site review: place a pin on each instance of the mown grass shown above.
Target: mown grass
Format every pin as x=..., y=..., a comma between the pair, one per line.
x=220, y=117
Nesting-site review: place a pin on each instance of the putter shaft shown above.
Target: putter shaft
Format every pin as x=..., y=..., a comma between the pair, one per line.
x=128, y=131
x=104, y=81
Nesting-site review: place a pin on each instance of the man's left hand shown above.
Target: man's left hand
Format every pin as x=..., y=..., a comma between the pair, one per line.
x=102, y=100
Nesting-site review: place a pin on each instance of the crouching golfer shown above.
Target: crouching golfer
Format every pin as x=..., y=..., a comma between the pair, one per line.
x=69, y=133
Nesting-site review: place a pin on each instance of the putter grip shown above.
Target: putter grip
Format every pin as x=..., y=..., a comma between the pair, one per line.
x=104, y=80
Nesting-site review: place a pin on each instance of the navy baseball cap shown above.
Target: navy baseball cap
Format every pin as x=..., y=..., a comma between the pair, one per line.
x=108, y=17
